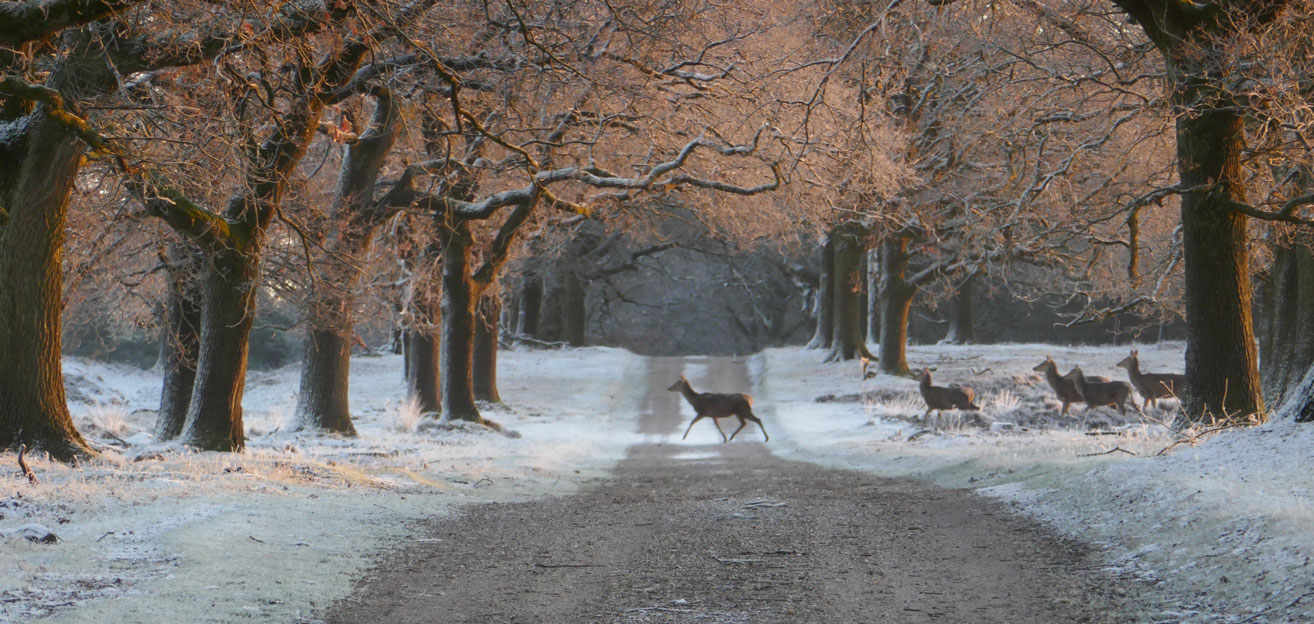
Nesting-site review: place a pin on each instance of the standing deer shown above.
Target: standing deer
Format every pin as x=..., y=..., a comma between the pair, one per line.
x=941, y=398
x=1098, y=393
x=1152, y=386
x=1064, y=388
x=713, y=405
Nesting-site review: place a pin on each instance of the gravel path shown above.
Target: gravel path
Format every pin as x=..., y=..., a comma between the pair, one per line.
x=730, y=533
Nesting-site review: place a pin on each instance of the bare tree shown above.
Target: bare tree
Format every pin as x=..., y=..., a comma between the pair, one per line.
x=46, y=131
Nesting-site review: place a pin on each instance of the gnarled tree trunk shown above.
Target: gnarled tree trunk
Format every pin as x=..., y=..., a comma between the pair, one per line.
x=325, y=370
x=180, y=341
x=849, y=306
x=1222, y=377
x=41, y=162
x=1289, y=343
x=323, y=402
x=458, y=323
x=214, y=416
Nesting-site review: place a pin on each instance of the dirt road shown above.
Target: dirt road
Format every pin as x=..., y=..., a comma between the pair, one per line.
x=728, y=533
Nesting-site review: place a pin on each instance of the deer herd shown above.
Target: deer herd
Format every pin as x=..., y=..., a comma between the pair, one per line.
x=1074, y=387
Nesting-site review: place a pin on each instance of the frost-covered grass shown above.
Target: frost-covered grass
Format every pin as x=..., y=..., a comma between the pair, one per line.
x=110, y=419
x=407, y=415
x=1220, y=530
x=159, y=533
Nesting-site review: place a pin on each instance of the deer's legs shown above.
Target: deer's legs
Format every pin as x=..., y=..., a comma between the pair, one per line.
x=696, y=419
x=722, y=431
x=742, y=422
x=1064, y=412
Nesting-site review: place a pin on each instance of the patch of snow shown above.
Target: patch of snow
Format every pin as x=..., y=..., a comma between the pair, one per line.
x=156, y=532
x=1219, y=531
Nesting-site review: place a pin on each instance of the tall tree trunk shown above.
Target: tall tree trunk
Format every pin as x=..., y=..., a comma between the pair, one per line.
x=1222, y=378
x=422, y=370
x=458, y=323
x=323, y=402
x=896, y=301
x=531, y=305
x=214, y=418
x=551, y=327
x=485, y=347
x=180, y=340
x=864, y=297
x=873, y=294
x=423, y=333
x=563, y=317
x=1290, y=336
x=33, y=409
x=962, y=322
x=824, y=334
x=848, y=310
x=34, y=192
x=574, y=315
x=234, y=250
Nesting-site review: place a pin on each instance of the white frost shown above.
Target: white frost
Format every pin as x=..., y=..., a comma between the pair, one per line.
x=1217, y=532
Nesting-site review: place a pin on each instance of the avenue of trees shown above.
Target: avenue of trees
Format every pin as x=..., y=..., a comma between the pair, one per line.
x=471, y=171
x=1062, y=134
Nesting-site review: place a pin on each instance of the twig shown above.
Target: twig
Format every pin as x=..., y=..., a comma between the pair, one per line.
x=107, y=534
x=256, y=539
x=22, y=465
x=1266, y=611
x=568, y=565
x=534, y=341
x=1193, y=438
x=1111, y=451
x=919, y=434
x=120, y=440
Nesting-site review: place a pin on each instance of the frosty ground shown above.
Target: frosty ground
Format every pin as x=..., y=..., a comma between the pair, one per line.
x=1216, y=529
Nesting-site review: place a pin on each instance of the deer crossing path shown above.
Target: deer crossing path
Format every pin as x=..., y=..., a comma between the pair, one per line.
x=729, y=533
